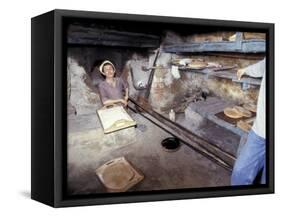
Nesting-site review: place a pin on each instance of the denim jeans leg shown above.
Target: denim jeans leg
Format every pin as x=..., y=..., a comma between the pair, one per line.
x=263, y=178
x=250, y=161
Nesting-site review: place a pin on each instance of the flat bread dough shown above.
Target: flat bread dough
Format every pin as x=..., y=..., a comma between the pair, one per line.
x=244, y=125
x=232, y=113
x=197, y=65
x=244, y=112
x=251, y=107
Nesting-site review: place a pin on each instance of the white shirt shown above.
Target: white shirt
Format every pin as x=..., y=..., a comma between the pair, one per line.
x=258, y=70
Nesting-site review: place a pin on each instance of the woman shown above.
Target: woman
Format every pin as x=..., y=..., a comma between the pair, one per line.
x=112, y=89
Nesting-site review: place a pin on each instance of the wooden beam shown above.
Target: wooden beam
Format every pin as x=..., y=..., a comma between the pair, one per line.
x=209, y=150
x=258, y=56
x=106, y=37
x=244, y=46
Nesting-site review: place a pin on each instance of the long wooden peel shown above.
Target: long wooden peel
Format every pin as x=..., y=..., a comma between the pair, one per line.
x=209, y=150
x=144, y=94
x=151, y=75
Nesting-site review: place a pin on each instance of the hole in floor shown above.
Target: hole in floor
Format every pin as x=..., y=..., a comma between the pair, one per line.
x=170, y=144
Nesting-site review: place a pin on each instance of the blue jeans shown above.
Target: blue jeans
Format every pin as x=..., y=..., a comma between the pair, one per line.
x=250, y=161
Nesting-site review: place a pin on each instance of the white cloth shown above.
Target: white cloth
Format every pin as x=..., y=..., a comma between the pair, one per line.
x=175, y=72
x=258, y=70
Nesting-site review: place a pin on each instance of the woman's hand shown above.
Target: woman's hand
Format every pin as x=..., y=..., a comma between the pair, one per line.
x=112, y=102
x=124, y=102
x=240, y=73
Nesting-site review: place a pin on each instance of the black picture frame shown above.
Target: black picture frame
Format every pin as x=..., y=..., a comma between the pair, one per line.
x=49, y=111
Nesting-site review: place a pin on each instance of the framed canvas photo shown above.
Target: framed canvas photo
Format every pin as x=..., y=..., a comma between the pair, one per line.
x=134, y=108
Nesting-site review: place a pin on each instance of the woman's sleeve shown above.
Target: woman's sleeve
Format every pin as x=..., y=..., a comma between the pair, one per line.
x=124, y=83
x=103, y=94
x=256, y=70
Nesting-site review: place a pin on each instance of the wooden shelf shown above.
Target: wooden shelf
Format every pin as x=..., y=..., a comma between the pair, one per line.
x=227, y=74
x=245, y=46
x=237, y=46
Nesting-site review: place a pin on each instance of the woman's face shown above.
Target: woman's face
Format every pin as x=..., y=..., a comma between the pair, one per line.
x=108, y=71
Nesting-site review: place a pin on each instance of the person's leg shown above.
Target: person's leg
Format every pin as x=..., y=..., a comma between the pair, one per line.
x=263, y=178
x=242, y=143
x=250, y=161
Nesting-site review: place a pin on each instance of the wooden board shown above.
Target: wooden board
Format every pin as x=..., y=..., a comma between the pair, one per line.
x=227, y=74
x=115, y=118
x=118, y=175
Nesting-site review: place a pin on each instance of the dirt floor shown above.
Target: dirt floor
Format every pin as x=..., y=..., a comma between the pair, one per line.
x=89, y=148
